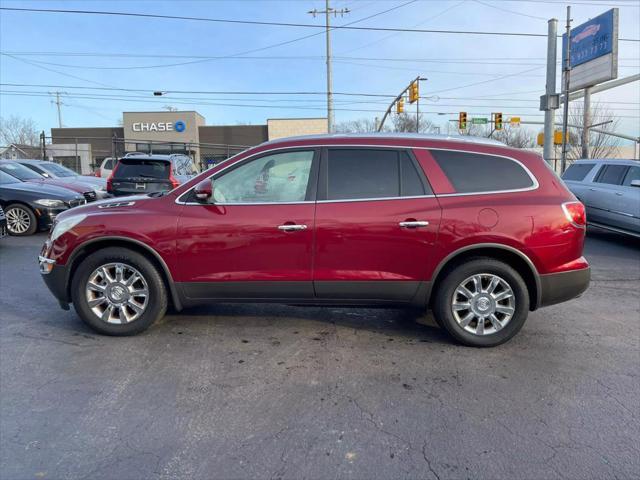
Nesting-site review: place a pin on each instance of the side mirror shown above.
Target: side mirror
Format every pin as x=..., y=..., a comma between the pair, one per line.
x=635, y=183
x=204, y=190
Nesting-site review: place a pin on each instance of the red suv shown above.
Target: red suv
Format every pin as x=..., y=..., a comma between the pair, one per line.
x=478, y=232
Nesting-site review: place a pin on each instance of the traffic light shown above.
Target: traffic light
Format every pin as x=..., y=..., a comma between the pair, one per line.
x=413, y=92
x=400, y=105
x=462, y=120
x=497, y=121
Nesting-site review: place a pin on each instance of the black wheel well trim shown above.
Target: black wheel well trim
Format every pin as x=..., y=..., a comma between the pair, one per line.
x=164, y=269
x=451, y=258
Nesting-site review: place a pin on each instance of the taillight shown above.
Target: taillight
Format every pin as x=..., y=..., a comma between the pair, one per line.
x=110, y=179
x=174, y=181
x=97, y=173
x=575, y=213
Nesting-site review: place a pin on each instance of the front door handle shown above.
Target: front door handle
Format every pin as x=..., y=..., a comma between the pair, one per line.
x=291, y=227
x=414, y=224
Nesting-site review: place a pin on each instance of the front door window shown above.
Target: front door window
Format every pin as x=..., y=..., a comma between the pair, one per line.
x=278, y=178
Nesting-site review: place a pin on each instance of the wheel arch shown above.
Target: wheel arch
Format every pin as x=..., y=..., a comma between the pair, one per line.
x=153, y=256
x=504, y=253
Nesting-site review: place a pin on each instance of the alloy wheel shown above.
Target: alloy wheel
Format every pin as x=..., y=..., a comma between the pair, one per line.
x=18, y=220
x=483, y=304
x=117, y=293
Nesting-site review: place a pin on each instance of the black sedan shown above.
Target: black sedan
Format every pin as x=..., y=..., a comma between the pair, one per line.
x=30, y=207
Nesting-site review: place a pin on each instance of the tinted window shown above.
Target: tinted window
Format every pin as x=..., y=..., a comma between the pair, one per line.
x=130, y=167
x=6, y=178
x=281, y=177
x=577, y=171
x=20, y=171
x=612, y=174
x=108, y=164
x=473, y=172
x=411, y=183
x=632, y=174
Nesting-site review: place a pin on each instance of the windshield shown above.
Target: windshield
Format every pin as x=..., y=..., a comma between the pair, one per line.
x=133, y=167
x=5, y=178
x=57, y=170
x=19, y=171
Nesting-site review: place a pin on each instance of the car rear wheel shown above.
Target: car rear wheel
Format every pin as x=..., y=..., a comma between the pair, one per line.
x=117, y=291
x=482, y=302
x=21, y=220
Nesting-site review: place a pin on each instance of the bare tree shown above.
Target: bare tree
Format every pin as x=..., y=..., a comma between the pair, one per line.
x=601, y=145
x=405, y=122
x=18, y=130
x=361, y=125
x=516, y=137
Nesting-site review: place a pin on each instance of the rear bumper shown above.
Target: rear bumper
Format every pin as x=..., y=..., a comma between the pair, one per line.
x=563, y=286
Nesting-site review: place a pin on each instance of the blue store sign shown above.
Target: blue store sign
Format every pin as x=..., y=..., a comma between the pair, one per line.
x=591, y=40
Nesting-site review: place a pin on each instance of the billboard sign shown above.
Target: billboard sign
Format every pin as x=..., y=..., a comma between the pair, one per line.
x=594, y=51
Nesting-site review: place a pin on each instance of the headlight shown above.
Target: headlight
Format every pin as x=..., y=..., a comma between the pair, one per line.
x=49, y=202
x=63, y=226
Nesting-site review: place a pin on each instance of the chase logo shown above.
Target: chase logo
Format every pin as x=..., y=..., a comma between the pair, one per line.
x=179, y=126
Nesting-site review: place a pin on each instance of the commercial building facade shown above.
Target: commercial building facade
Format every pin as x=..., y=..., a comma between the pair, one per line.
x=169, y=132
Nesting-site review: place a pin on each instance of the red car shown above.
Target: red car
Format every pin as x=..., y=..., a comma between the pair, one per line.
x=478, y=232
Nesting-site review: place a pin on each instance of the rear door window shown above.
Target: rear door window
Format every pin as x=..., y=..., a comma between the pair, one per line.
x=371, y=173
x=471, y=172
x=130, y=167
x=612, y=174
x=577, y=172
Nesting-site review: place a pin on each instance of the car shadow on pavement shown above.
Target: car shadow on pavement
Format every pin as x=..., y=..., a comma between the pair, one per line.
x=404, y=324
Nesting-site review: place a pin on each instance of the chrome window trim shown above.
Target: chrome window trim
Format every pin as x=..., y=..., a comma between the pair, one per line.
x=373, y=199
x=535, y=185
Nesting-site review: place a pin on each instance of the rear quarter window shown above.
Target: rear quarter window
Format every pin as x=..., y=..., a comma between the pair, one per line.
x=577, y=172
x=471, y=172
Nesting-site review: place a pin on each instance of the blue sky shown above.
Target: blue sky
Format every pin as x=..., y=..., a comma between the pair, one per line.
x=450, y=62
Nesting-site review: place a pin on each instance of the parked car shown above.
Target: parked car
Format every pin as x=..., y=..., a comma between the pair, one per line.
x=476, y=231
x=55, y=170
x=106, y=167
x=30, y=207
x=25, y=174
x=3, y=224
x=610, y=191
x=139, y=173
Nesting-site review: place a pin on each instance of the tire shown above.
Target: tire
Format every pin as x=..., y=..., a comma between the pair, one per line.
x=509, y=293
x=21, y=221
x=108, y=284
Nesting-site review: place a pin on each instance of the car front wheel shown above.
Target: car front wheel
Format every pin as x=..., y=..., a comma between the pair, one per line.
x=482, y=302
x=21, y=220
x=117, y=291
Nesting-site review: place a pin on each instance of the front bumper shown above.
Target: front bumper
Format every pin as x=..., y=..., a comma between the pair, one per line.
x=46, y=216
x=55, y=278
x=563, y=286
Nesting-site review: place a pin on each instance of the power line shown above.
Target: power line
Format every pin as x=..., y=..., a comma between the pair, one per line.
x=284, y=24
x=288, y=107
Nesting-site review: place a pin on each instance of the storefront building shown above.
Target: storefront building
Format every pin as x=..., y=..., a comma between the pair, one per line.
x=170, y=132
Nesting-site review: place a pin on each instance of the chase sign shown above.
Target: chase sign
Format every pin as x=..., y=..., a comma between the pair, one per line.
x=178, y=126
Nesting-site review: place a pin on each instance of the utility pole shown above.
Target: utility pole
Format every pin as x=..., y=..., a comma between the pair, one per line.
x=58, y=103
x=328, y=10
x=586, y=122
x=550, y=100
x=567, y=83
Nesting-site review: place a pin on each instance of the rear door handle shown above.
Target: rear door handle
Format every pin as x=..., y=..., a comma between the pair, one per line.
x=291, y=228
x=413, y=224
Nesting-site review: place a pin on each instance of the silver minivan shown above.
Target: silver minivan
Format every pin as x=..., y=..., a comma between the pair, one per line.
x=610, y=191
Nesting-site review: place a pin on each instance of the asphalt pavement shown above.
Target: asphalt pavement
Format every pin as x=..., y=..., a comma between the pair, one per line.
x=267, y=391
